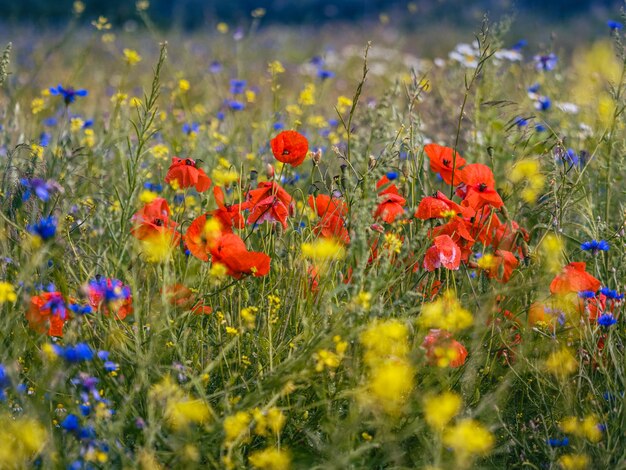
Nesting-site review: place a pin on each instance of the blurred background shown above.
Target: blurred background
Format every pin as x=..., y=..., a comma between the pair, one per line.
x=190, y=14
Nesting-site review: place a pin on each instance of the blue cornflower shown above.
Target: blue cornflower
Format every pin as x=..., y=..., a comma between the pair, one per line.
x=215, y=67
x=50, y=122
x=611, y=294
x=534, y=88
x=318, y=61
x=70, y=423
x=69, y=94
x=44, y=139
x=519, y=45
x=553, y=442
x=189, y=128
x=540, y=128
x=81, y=352
x=594, y=246
x=110, y=366
x=235, y=105
x=85, y=410
x=614, y=25
x=606, y=320
x=391, y=175
x=237, y=86
x=155, y=187
x=80, y=309
x=324, y=74
x=41, y=188
x=278, y=126
x=546, y=62
x=220, y=115
x=570, y=157
x=46, y=228
x=520, y=121
x=5, y=381
x=586, y=294
x=543, y=103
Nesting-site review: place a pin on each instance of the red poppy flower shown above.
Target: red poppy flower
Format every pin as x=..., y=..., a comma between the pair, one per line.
x=442, y=161
x=574, y=278
x=290, y=147
x=47, y=313
x=187, y=174
x=443, y=350
x=390, y=188
x=153, y=219
x=478, y=188
x=269, y=202
x=110, y=295
x=198, y=239
x=457, y=228
x=324, y=205
x=182, y=297
x=231, y=251
x=391, y=204
x=434, y=207
x=504, y=262
x=229, y=215
x=444, y=252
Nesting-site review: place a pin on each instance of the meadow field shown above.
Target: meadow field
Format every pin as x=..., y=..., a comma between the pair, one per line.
x=276, y=248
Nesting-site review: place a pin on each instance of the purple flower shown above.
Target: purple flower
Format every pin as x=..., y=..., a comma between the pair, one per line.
x=545, y=62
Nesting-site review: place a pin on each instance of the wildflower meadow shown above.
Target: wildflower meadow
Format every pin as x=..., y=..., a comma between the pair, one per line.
x=247, y=248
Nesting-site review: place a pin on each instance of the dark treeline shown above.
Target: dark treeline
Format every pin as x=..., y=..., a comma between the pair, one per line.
x=193, y=13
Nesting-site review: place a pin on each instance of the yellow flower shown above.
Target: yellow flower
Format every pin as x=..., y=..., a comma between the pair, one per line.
x=529, y=172
x=119, y=98
x=147, y=196
x=551, y=252
x=160, y=151
x=181, y=413
x=390, y=383
x=343, y=104
x=446, y=313
x=275, y=68
x=307, y=96
x=131, y=56
x=486, y=261
x=76, y=124
x=7, y=293
x=36, y=150
x=102, y=24
x=322, y=250
x=108, y=38
x=224, y=177
x=588, y=428
x=393, y=243
x=184, y=85
x=363, y=300
x=37, y=105
x=158, y=248
x=248, y=315
x=270, y=459
x=142, y=5
x=78, y=7
x=236, y=425
x=468, y=438
x=384, y=339
x=440, y=409
x=21, y=439
x=575, y=462
x=89, y=140
x=222, y=27
x=561, y=363
x=325, y=358
x=272, y=420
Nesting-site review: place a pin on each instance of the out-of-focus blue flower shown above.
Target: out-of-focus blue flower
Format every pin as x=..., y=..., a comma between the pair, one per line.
x=586, y=294
x=237, y=86
x=69, y=94
x=5, y=381
x=546, y=62
x=543, y=103
x=611, y=294
x=50, y=122
x=81, y=352
x=220, y=116
x=85, y=410
x=42, y=189
x=318, y=61
x=391, y=175
x=44, y=139
x=110, y=366
x=553, y=442
x=614, y=25
x=606, y=320
x=70, y=423
x=534, y=88
x=595, y=246
x=520, y=121
x=235, y=105
x=215, y=67
x=324, y=74
x=154, y=187
x=278, y=126
x=46, y=228
x=519, y=44
x=80, y=309
x=189, y=128
x=108, y=290
x=540, y=128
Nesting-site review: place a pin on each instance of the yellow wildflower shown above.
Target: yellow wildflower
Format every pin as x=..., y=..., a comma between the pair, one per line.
x=36, y=150
x=270, y=459
x=37, y=105
x=468, y=438
x=446, y=313
x=575, y=462
x=275, y=68
x=307, y=95
x=183, y=85
x=131, y=57
x=102, y=24
x=440, y=409
x=561, y=363
x=7, y=293
x=236, y=425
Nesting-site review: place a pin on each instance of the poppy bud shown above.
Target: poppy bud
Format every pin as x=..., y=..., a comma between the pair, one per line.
x=377, y=228
x=269, y=171
x=317, y=156
x=372, y=162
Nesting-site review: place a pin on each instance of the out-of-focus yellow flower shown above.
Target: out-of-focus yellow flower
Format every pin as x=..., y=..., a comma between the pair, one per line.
x=108, y=38
x=384, y=339
x=89, y=138
x=528, y=171
x=78, y=7
x=440, y=409
x=551, y=252
x=37, y=105
x=160, y=151
x=236, y=425
x=446, y=313
x=363, y=300
x=21, y=439
x=561, y=363
x=271, y=420
x=7, y=293
x=258, y=13
x=275, y=68
x=183, y=85
x=76, y=124
x=222, y=28
x=131, y=57
x=159, y=247
x=390, y=384
x=393, y=243
x=575, y=462
x=250, y=96
x=323, y=250
x=270, y=459
x=102, y=23
x=307, y=95
x=36, y=150
x=180, y=413
x=224, y=177
x=142, y=5
x=343, y=104
x=468, y=438
x=588, y=428
x=147, y=196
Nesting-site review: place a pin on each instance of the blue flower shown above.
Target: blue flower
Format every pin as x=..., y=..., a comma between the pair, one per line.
x=606, y=320
x=594, y=246
x=70, y=423
x=614, y=25
x=519, y=44
x=553, y=442
x=540, y=128
x=5, y=381
x=46, y=228
x=534, y=88
x=237, y=86
x=586, y=294
x=41, y=188
x=215, y=67
x=324, y=74
x=110, y=366
x=81, y=352
x=278, y=126
x=69, y=94
x=189, y=128
x=391, y=175
x=545, y=62
x=611, y=294
x=44, y=139
x=543, y=103
x=235, y=105
x=80, y=309
x=155, y=187
x=520, y=121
